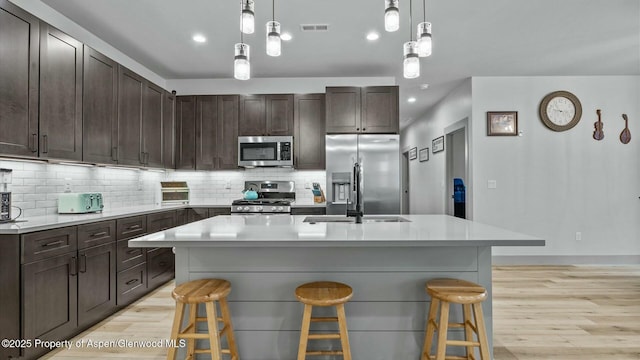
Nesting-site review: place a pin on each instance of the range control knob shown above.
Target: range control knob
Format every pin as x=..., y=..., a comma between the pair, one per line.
x=258, y=208
x=280, y=208
x=239, y=208
x=273, y=208
x=246, y=208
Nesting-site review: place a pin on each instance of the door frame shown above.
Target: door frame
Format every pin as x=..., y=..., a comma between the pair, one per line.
x=462, y=125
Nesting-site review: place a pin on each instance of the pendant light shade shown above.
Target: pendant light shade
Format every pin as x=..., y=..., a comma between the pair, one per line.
x=411, y=63
x=391, y=15
x=424, y=39
x=241, y=65
x=274, y=45
x=247, y=21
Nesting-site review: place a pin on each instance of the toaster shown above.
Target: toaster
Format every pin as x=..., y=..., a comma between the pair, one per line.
x=79, y=203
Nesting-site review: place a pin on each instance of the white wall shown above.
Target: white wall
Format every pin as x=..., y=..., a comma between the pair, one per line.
x=554, y=184
x=427, y=179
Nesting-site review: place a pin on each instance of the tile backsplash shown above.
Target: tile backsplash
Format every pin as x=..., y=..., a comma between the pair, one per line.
x=35, y=185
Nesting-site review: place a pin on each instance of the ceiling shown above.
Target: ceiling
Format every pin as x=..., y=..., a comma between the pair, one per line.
x=470, y=37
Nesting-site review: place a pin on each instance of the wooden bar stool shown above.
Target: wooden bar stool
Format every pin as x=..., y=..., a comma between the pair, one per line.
x=205, y=291
x=324, y=293
x=469, y=295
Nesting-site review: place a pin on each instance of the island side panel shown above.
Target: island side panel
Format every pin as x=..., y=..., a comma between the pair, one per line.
x=386, y=317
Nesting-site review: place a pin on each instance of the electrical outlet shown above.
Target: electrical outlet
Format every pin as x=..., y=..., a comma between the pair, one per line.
x=140, y=185
x=492, y=184
x=67, y=185
x=227, y=185
x=307, y=185
x=578, y=236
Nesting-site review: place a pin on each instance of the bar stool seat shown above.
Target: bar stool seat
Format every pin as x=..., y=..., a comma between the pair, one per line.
x=470, y=295
x=207, y=292
x=324, y=293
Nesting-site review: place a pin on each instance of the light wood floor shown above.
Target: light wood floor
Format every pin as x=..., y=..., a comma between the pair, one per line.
x=540, y=312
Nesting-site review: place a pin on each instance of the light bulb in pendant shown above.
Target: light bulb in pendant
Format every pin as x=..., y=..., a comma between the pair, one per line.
x=424, y=39
x=247, y=20
x=241, y=65
x=274, y=45
x=411, y=63
x=391, y=16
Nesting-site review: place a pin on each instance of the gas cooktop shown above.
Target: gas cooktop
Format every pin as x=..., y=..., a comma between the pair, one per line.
x=273, y=197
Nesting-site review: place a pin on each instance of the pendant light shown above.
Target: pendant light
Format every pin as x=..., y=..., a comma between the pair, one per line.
x=274, y=44
x=247, y=17
x=424, y=34
x=411, y=63
x=391, y=15
x=241, y=65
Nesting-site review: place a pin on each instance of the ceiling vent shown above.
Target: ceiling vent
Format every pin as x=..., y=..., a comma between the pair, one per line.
x=314, y=27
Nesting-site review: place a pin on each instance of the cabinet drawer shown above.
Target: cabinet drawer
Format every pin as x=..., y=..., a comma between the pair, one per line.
x=131, y=227
x=219, y=211
x=45, y=244
x=161, y=221
x=96, y=234
x=320, y=210
x=127, y=257
x=160, y=266
x=131, y=283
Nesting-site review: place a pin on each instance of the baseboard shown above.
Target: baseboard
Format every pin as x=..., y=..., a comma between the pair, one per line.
x=566, y=260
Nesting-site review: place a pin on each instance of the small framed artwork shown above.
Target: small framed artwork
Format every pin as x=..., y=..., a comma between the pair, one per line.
x=423, y=154
x=413, y=153
x=437, y=144
x=502, y=123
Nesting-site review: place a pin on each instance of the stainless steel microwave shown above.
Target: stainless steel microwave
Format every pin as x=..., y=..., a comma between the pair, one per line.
x=265, y=151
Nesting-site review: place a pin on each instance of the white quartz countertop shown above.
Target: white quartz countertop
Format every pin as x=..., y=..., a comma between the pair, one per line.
x=290, y=230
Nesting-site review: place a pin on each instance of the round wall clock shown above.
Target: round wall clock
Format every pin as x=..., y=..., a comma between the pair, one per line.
x=560, y=110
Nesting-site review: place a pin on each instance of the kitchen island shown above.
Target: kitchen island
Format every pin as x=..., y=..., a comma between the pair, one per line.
x=386, y=263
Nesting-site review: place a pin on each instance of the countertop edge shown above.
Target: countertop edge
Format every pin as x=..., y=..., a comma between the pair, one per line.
x=311, y=243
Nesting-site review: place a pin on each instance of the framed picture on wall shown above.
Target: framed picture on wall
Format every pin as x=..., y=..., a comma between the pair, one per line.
x=438, y=144
x=413, y=153
x=423, y=154
x=502, y=123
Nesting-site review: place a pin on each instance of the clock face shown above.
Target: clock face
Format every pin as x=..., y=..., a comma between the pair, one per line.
x=560, y=110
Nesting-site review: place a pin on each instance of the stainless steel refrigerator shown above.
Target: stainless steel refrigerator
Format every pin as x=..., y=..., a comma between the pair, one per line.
x=379, y=158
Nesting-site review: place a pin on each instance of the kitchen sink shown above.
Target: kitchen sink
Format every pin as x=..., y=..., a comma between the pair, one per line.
x=344, y=219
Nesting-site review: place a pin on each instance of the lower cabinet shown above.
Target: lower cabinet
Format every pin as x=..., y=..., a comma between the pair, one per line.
x=132, y=284
x=160, y=266
x=197, y=214
x=96, y=283
x=320, y=210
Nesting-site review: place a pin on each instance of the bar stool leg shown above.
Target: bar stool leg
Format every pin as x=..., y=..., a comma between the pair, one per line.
x=191, y=343
x=482, y=331
x=212, y=323
x=443, y=326
x=175, y=329
x=431, y=329
x=226, y=318
x=304, y=332
x=344, y=336
x=468, y=331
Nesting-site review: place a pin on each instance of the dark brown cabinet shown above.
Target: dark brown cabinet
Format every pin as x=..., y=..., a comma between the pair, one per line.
x=160, y=266
x=100, y=108
x=131, y=90
x=19, y=74
x=131, y=265
x=96, y=283
x=10, y=298
x=309, y=135
x=168, y=130
x=161, y=221
x=216, y=132
x=316, y=210
x=185, y=132
x=60, y=95
x=266, y=115
x=370, y=110
x=197, y=214
x=152, y=126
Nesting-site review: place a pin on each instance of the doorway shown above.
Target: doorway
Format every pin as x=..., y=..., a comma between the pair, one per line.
x=405, y=183
x=457, y=158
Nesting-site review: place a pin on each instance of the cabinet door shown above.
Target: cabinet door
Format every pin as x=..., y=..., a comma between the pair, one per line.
x=185, y=132
x=160, y=267
x=100, y=108
x=168, y=131
x=10, y=298
x=309, y=137
x=343, y=110
x=252, y=116
x=197, y=214
x=19, y=81
x=380, y=110
x=152, y=126
x=60, y=95
x=227, y=134
x=279, y=115
x=182, y=216
x=96, y=283
x=222, y=210
x=50, y=294
x=130, y=98
x=161, y=221
x=131, y=284
x=206, y=132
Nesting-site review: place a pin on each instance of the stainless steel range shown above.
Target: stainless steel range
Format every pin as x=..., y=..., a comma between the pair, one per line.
x=274, y=197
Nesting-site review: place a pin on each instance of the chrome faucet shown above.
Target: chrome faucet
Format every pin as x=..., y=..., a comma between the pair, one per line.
x=358, y=212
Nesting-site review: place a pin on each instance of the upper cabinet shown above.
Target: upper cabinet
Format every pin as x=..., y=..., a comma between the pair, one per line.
x=131, y=90
x=60, y=95
x=227, y=132
x=369, y=110
x=185, y=132
x=19, y=68
x=266, y=115
x=216, y=132
x=309, y=116
x=152, y=148
x=169, y=130
x=100, y=108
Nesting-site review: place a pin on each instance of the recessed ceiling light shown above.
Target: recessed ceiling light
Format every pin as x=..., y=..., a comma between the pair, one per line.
x=285, y=36
x=424, y=86
x=372, y=36
x=411, y=100
x=199, y=38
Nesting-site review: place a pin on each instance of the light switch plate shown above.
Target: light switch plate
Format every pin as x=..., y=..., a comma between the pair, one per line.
x=492, y=184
